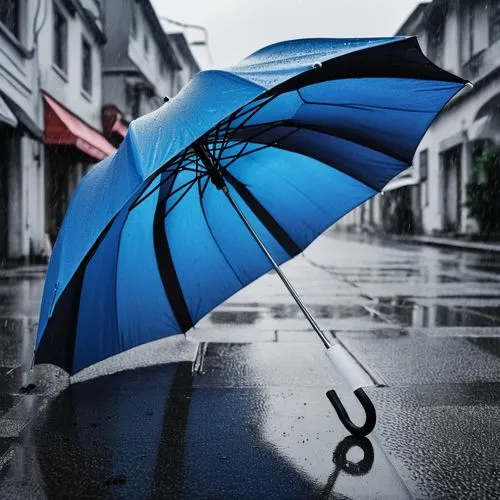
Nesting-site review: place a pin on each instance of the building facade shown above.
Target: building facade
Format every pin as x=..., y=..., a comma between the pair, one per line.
x=70, y=63
x=140, y=64
x=462, y=37
x=189, y=65
x=21, y=123
x=73, y=73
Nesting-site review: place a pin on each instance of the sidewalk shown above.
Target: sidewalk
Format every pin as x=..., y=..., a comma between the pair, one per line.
x=456, y=244
x=249, y=418
x=23, y=271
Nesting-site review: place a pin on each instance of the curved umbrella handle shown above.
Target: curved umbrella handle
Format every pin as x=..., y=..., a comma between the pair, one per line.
x=355, y=377
x=371, y=415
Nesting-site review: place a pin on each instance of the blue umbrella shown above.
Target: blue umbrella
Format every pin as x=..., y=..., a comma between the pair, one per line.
x=237, y=174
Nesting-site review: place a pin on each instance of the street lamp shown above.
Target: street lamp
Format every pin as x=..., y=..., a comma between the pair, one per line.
x=196, y=27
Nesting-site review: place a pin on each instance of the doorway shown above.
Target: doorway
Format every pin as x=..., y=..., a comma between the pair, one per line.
x=5, y=139
x=452, y=189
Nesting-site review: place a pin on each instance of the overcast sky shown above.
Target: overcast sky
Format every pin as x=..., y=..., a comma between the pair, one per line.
x=239, y=27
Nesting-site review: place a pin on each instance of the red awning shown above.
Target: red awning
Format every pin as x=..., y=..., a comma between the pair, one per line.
x=113, y=122
x=63, y=127
x=120, y=127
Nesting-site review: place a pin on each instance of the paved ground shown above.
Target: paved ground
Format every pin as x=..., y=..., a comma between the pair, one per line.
x=238, y=410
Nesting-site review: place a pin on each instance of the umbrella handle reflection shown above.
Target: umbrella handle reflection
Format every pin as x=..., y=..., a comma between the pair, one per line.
x=354, y=468
x=371, y=416
x=343, y=464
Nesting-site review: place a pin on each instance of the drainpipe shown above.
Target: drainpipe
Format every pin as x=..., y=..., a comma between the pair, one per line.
x=466, y=169
x=460, y=12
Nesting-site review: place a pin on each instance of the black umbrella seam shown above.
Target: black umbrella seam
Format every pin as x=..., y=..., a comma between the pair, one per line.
x=264, y=216
x=165, y=264
x=200, y=195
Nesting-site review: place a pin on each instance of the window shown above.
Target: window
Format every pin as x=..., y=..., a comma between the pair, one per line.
x=494, y=21
x=436, y=45
x=424, y=167
x=436, y=35
x=133, y=22
x=60, y=49
x=424, y=162
x=163, y=67
x=471, y=29
x=9, y=15
x=86, y=66
x=146, y=44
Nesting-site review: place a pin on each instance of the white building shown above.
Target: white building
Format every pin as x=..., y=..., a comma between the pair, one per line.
x=189, y=65
x=21, y=122
x=462, y=37
x=70, y=64
x=140, y=63
x=50, y=115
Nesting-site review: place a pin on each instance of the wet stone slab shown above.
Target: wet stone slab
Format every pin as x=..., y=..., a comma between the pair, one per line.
x=16, y=340
x=266, y=364
x=403, y=359
x=151, y=434
x=5, y=454
x=5, y=444
x=409, y=312
x=44, y=380
x=391, y=331
x=444, y=440
x=20, y=299
x=11, y=427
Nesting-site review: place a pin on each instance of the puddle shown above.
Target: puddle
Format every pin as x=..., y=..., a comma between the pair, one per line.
x=249, y=314
x=406, y=312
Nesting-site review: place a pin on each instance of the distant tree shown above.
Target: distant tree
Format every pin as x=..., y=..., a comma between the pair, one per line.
x=483, y=192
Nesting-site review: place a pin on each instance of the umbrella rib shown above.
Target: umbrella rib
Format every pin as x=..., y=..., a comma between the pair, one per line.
x=189, y=185
x=204, y=188
x=242, y=112
x=145, y=197
x=251, y=115
x=313, y=128
x=256, y=150
x=223, y=143
x=349, y=174
x=264, y=216
x=298, y=126
x=179, y=188
x=236, y=157
x=274, y=144
x=177, y=162
x=236, y=143
x=215, y=240
x=215, y=134
x=303, y=126
x=270, y=126
x=361, y=106
x=249, y=139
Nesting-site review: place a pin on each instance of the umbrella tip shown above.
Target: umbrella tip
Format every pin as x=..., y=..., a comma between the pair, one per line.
x=470, y=84
x=317, y=64
x=166, y=99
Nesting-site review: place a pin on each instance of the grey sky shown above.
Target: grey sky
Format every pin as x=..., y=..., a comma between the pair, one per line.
x=239, y=27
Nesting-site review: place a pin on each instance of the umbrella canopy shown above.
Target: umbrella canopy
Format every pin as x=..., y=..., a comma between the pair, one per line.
x=300, y=132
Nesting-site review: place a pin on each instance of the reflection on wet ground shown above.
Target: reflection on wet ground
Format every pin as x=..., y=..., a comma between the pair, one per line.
x=407, y=312
x=153, y=433
x=246, y=314
x=251, y=419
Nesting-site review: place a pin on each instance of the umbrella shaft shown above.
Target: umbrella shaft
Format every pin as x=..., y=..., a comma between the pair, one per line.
x=288, y=285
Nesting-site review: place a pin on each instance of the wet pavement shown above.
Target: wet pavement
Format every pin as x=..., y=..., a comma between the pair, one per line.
x=238, y=409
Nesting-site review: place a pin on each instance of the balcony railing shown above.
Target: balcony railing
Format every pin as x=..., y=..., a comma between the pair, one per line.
x=474, y=67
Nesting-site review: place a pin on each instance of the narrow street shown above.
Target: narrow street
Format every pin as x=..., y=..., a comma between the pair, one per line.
x=238, y=410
